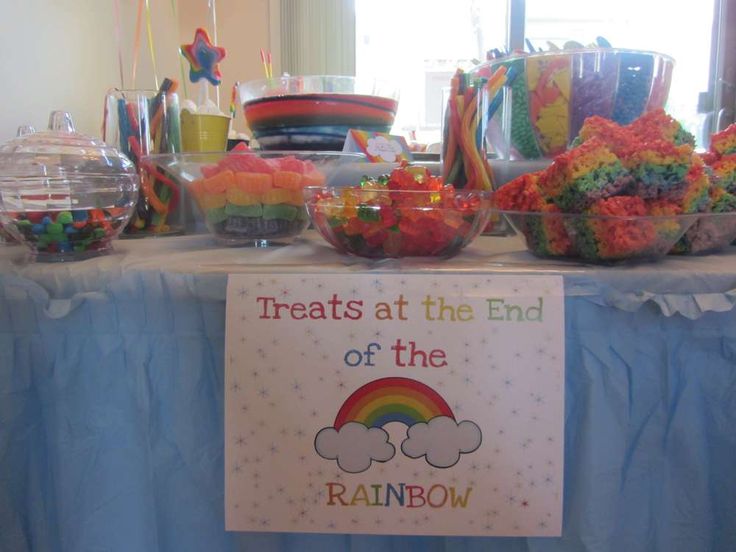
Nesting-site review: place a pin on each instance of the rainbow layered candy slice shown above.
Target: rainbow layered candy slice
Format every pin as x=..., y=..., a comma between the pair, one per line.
x=247, y=197
x=407, y=213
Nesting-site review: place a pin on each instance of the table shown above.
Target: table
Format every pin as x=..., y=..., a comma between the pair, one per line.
x=111, y=400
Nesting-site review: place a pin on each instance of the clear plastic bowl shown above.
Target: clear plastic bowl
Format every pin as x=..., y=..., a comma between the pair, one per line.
x=381, y=224
x=550, y=94
x=710, y=233
x=255, y=198
x=599, y=238
x=316, y=112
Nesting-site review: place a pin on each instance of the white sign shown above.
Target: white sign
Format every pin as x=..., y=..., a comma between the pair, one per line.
x=395, y=404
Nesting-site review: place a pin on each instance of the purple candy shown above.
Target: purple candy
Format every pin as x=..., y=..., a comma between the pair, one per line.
x=594, y=76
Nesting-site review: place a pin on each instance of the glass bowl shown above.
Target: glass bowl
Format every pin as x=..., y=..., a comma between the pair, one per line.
x=255, y=198
x=65, y=195
x=407, y=223
x=599, y=238
x=550, y=94
x=711, y=232
x=6, y=238
x=316, y=112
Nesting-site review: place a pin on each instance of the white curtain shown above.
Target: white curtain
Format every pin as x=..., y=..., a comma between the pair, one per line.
x=317, y=37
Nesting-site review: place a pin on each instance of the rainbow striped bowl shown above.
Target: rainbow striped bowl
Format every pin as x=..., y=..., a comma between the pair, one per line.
x=316, y=112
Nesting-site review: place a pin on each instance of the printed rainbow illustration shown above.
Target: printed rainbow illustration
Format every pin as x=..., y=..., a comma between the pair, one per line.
x=357, y=437
x=392, y=400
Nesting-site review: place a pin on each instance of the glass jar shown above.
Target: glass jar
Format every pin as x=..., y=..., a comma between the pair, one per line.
x=139, y=123
x=63, y=194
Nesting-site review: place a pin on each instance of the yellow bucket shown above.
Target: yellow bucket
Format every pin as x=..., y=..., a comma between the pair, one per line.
x=202, y=132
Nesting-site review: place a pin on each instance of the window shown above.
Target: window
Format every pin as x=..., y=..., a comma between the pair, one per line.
x=419, y=44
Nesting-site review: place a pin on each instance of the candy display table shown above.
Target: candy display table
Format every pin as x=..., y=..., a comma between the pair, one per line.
x=111, y=400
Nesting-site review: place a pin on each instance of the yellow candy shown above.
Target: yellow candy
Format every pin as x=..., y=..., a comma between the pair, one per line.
x=212, y=201
x=276, y=195
x=237, y=196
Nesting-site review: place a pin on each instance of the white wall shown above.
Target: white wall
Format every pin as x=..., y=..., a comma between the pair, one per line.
x=242, y=29
x=62, y=54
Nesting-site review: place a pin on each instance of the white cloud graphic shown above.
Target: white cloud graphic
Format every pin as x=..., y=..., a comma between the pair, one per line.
x=354, y=446
x=388, y=150
x=442, y=440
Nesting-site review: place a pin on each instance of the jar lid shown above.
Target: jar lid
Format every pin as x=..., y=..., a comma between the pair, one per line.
x=61, y=152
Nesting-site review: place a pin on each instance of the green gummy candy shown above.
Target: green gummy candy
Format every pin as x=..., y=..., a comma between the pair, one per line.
x=368, y=213
x=54, y=228
x=216, y=215
x=280, y=211
x=244, y=210
x=98, y=233
x=65, y=217
x=23, y=222
x=302, y=214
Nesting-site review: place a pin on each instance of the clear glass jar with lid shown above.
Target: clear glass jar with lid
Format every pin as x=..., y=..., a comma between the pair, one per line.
x=63, y=194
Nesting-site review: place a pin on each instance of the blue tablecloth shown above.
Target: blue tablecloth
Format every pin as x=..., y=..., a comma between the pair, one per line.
x=111, y=401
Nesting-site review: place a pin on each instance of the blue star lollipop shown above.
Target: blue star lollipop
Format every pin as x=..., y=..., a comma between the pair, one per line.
x=203, y=57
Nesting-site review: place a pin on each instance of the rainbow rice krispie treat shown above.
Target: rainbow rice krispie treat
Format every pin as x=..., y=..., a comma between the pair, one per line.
x=618, y=139
x=694, y=197
x=724, y=142
x=724, y=173
x=627, y=191
x=583, y=175
x=659, y=168
x=714, y=232
x=657, y=125
x=613, y=236
x=546, y=235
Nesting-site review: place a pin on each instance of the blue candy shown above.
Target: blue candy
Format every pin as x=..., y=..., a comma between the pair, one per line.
x=38, y=228
x=79, y=216
x=64, y=246
x=71, y=230
x=46, y=220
